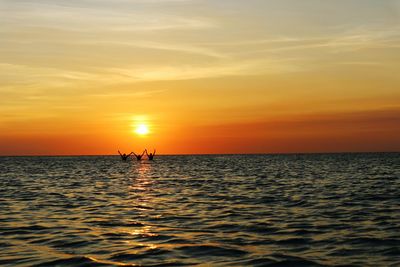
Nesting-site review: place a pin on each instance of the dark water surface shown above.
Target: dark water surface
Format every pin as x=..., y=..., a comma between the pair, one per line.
x=270, y=210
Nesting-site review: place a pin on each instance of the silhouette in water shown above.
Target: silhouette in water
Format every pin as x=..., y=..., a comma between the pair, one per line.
x=138, y=157
x=151, y=155
x=124, y=156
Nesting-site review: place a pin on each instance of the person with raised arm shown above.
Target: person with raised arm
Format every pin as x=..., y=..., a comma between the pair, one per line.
x=151, y=155
x=124, y=156
x=138, y=157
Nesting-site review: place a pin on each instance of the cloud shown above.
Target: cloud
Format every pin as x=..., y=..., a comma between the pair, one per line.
x=221, y=69
x=348, y=40
x=70, y=43
x=136, y=94
x=314, y=124
x=84, y=18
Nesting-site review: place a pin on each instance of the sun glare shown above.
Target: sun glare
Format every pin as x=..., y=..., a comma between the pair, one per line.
x=142, y=129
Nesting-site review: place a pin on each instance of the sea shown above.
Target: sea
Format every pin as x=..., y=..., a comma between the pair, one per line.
x=201, y=210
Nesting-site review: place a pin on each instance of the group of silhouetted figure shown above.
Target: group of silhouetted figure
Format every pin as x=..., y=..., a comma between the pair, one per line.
x=139, y=157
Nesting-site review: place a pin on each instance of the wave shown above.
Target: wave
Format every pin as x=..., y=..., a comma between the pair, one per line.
x=260, y=210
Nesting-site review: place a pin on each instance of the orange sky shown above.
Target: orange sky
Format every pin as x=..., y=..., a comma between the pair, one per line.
x=76, y=77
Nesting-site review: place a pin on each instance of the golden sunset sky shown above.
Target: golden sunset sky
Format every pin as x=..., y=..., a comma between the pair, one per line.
x=205, y=76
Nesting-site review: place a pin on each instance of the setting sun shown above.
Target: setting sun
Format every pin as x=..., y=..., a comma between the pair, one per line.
x=142, y=129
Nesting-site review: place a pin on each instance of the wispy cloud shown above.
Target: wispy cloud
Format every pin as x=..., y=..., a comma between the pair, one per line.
x=180, y=43
x=84, y=18
x=224, y=68
x=356, y=39
x=63, y=44
x=135, y=94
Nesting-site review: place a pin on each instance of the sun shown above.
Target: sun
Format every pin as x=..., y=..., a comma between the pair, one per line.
x=142, y=129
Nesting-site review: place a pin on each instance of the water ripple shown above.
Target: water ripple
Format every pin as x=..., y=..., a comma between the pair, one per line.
x=236, y=210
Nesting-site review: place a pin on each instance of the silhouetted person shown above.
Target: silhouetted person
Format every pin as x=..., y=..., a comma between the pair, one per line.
x=151, y=155
x=138, y=157
x=124, y=156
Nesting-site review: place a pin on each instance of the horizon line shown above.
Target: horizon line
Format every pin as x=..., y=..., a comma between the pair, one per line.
x=211, y=154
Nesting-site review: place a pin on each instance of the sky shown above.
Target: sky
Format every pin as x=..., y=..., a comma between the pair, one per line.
x=228, y=76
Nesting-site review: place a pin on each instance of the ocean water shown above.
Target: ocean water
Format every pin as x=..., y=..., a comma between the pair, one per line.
x=234, y=210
